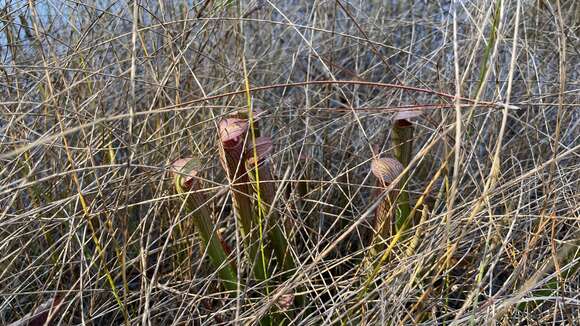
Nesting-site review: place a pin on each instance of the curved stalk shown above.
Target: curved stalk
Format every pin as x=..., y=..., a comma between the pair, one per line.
x=186, y=184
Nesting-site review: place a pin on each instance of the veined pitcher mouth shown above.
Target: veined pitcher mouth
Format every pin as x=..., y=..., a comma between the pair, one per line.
x=263, y=146
x=184, y=171
x=403, y=118
x=386, y=169
x=232, y=131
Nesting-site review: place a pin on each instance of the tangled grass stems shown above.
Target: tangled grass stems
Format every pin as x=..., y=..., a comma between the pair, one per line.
x=96, y=97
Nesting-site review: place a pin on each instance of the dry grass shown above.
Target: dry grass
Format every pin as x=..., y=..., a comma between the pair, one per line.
x=98, y=99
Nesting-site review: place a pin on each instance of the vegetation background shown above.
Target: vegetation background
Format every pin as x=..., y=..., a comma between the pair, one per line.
x=98, y=98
